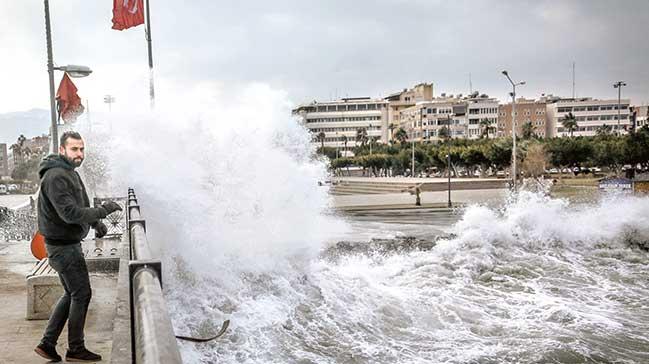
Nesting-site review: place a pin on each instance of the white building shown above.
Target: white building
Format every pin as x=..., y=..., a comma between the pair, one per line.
x=465, y=117
x=339, y=120
x=590, y=114
x=482, y=113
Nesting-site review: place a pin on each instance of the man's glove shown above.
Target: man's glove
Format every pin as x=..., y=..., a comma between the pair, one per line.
x=110, y=207
x=100, y=230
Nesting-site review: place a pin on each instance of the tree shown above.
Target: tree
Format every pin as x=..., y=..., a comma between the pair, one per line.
x=499, y=153
x=604, y=130
x=321, y=138
x=609, y=152
x=392, y=126
x=401, y=135
x=485, y=125
x=361, y=136
x=569, y=123
x=534, y=160
x=568, y=152
x=528, y=130
x=345, y=139
x=444, y=133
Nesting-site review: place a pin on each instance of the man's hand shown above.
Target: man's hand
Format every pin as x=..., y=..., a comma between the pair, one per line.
x=110, y=207
x=100, y=230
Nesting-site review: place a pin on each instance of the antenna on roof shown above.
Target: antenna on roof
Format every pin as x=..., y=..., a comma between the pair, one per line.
x=573, y=79
x=470, y=84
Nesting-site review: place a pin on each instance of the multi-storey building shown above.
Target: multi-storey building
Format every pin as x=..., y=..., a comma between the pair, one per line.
x=339, y=120
x=403, y=100
x=590, y=115
x=426, y=119
x=462, y=117
x=4, y=160
x=527, y=111
x=482, y=115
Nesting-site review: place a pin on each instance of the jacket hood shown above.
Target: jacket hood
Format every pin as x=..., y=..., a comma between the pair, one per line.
x=53, y=161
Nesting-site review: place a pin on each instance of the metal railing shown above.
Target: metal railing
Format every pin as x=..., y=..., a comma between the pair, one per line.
x=152, y=336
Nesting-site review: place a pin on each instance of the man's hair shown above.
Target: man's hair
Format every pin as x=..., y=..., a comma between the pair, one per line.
x=69, y=134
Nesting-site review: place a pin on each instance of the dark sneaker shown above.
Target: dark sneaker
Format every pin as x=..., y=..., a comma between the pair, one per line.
x=83, y=355
x=48, y=352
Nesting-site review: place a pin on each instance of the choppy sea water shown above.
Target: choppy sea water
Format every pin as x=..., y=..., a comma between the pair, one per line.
x=228, y=186
x=534, y=281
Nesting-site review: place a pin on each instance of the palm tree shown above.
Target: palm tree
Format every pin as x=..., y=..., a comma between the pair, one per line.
x=444, y=133
x=528, y=130
x=361, y=136
x=569, y=123
x=321, y=138
x=344, y=137
x=604, y=130
x=484, y=124
x=401, y=135
x=392, y=126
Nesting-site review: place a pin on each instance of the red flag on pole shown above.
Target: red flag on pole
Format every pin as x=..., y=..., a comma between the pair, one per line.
x=69, y=103
x=127, y=13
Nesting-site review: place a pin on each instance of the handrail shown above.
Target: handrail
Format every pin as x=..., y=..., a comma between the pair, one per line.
x=152, y=336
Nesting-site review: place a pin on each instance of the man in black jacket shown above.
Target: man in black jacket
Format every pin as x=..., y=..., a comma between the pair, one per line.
x=64, y=218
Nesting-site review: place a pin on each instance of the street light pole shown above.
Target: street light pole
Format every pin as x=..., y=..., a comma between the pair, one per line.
x=369, y=137
x=514, y=173
x=618, y=85
x=50, y=70
x=448, y=166
x=412, y=173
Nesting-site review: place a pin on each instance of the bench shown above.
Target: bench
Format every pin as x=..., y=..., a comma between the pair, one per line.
x=43, y=291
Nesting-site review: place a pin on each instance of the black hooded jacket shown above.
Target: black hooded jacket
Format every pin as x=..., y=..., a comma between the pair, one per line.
x=64, y=215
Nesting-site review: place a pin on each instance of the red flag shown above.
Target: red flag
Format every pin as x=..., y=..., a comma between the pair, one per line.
x=69, y=103
x=127, y=13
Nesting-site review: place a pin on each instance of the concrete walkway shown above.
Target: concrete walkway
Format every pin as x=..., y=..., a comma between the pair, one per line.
x=403, y=200
x=19, y=337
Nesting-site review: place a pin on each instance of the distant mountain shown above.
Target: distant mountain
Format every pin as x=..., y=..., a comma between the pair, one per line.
x=34, y=122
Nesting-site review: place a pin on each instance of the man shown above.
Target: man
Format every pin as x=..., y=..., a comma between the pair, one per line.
x=64, y=218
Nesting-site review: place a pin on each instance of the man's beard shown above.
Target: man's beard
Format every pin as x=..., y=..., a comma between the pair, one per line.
x=75, y=162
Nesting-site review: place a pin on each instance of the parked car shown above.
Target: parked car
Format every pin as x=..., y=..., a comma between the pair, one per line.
x=3, y=189
x=12, y=188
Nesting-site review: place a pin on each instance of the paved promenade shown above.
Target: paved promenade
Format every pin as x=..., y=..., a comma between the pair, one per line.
x=18, y=336
x=428, y=199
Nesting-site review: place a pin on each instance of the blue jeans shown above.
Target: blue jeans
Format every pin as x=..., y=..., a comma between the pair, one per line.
x=69, y=262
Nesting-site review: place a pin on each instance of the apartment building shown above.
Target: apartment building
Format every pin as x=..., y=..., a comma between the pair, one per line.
x=527, y=111
x=399, y=101
x=340, y=120
x=464, y=117
x=426, y=119
x=482, y=116
x=590, y=114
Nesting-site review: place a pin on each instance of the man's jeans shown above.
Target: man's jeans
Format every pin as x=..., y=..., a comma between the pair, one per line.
x=69, y=262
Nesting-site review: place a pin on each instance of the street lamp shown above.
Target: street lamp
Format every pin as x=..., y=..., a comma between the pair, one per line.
x=72, y=70
x=618, y=85
x=515, y=176
x=448, y=166
x=369, y=137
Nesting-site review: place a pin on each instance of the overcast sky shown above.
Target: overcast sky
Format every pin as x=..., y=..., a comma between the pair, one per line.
x=323, y=49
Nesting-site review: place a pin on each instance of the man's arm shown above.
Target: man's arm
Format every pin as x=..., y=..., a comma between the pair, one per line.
x=60, y=191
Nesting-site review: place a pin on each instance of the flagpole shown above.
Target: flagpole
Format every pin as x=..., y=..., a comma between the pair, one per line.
x=54, y=134
x=148, y=40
